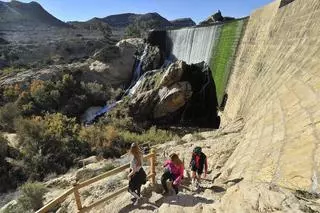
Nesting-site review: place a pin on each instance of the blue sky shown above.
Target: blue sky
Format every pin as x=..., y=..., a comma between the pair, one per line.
x=198, y=10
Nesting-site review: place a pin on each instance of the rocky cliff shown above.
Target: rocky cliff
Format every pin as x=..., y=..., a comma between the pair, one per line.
x=275, y=88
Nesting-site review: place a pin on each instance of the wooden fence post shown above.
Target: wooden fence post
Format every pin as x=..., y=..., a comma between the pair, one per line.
x=153, y=166
x=77, y=196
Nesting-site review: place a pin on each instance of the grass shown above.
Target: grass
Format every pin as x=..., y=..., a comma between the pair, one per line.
x=223, y=55
x=152, y=136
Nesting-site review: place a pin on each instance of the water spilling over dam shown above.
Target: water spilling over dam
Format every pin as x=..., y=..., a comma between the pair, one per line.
x=192, y=45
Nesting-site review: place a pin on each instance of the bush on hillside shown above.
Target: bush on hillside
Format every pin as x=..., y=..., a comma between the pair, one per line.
x=32, y=196
x=11, y=93
x=103, y=140
x=152, y=136
x=8, y=114
x=31, y=199
x=49, y=144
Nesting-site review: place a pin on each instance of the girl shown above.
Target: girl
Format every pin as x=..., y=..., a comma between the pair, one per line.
x=198, y=163
x=137, y=175
x=173, y=171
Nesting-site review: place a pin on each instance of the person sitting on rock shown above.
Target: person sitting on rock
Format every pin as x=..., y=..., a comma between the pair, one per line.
x=137, y=175
x=198, y=163
x=174, y=169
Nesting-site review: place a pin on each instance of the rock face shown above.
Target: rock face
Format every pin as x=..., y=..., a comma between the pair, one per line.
x=151, y=58
x=172, y=98
x=179, y=93
x=275, y=88
x=215, y=18
x=115, y=64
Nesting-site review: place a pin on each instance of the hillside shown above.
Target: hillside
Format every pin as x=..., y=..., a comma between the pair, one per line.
x=183, y=22
x=17, y=15
x=125, y=19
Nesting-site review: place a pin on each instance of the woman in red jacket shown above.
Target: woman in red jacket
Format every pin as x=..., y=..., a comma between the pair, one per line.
x=174, y=172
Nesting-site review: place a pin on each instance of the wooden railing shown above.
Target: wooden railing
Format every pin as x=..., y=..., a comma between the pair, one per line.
x=75, y=189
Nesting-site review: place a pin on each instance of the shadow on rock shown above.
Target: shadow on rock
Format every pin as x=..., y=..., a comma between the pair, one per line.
x=143, y=205
x=184, y=200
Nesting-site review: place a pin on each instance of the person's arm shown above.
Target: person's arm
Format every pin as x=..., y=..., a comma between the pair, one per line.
x=179, y=178
x=166, y=163
x=134, y=168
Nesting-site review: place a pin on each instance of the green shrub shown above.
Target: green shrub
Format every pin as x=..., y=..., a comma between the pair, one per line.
x=32, y=196
x=103, y=140
x=11, y=93
x=153, y=136
x=49, y=144
x=8, y=114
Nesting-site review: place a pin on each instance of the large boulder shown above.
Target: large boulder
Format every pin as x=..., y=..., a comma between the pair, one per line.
x=172, y=98
x=179, y=93
x=114, y=64
x=142, y=105
x=172, y=74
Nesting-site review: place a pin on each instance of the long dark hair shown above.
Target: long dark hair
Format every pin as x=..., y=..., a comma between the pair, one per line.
x=136, y=152
x=175, y=159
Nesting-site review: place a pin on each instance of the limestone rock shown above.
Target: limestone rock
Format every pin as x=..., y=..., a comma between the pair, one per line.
x=172, y=74
x=173, y=98
x=143, y=104
x=253, y=198
x=150, y=58
x=89, y=160
x=107, y=54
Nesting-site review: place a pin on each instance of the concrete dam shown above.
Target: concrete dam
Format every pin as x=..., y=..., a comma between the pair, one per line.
x=268, y=66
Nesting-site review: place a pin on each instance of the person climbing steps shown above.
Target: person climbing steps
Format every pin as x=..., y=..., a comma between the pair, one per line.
x=197, y=164
x=174, y=172
x=137, y=175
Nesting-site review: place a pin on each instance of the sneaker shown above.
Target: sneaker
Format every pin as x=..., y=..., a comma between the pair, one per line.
x=165, y=193
x=133, y=199
x=136, y=202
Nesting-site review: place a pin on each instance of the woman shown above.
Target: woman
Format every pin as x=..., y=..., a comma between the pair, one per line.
x=173, y=171
x=137, y=175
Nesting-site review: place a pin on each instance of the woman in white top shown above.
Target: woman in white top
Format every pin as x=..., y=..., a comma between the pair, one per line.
x=137, y=175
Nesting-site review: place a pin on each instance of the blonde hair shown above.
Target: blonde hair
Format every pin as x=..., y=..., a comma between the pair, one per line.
x=175, y=159
x=136, y=152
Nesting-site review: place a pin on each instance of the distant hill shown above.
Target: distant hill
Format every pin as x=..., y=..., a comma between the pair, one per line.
x=17, y=14
x=92, y=24
x=125, y=19
x=183, y=22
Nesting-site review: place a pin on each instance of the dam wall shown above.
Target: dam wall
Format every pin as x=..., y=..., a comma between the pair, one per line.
x=275, y=88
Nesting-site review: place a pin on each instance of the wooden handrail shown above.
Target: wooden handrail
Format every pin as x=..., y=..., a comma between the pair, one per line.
x=108, y=197
x=54, y=202
x=77, y=186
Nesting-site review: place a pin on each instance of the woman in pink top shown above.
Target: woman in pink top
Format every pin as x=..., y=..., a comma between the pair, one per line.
x=173, y=171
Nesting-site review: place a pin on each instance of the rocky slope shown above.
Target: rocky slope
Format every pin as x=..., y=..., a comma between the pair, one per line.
x=218, y=193
x=18, y=15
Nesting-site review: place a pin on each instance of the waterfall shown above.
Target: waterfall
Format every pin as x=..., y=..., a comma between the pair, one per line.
x=138, y=70
x=135, y=81
x=192, y=45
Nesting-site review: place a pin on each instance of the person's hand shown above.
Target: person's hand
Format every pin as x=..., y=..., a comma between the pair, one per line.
x=129, y=176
